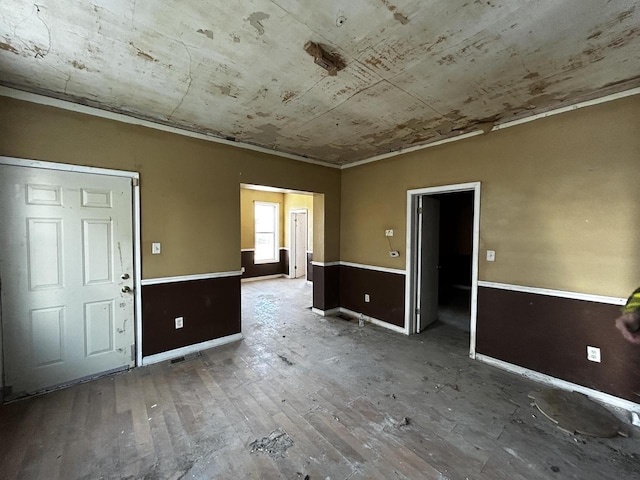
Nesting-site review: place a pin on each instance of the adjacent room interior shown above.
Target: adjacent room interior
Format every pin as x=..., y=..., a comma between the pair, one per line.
x=286, y=239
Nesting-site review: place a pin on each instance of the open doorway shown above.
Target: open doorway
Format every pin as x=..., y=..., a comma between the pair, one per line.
x=277, y=235
x=454, y=259
x=442, y=260
x=298, y=243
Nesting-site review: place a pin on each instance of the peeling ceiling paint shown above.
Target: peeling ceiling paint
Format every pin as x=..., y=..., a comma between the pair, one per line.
x=415, y=72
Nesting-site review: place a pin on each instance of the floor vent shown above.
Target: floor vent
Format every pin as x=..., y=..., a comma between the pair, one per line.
x=186, y=358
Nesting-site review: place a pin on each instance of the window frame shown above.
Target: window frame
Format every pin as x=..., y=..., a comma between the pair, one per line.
x=276, y=232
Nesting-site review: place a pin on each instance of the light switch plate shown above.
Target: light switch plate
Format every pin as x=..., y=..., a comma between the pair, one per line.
x=388, y=233
x=491, y=255
x=179, y=322
x=367, y=298
x=155, y=248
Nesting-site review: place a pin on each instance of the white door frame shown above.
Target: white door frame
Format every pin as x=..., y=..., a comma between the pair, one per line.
x=292, y=251
x=137, y=261
x=411, y=279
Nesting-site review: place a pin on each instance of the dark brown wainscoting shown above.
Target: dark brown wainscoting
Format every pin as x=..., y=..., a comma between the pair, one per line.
x=252, y=269
x=551, y=334
x=386, y=292
x=326, y=287
x=284, y=261
x=309, y=267
x=211, y=309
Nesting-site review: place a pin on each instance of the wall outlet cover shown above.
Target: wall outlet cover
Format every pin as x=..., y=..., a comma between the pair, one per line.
x=593, y=354
x=367, y=298
x=491, y=255
x=155, y=248
x=179, y=322
x=388, y=233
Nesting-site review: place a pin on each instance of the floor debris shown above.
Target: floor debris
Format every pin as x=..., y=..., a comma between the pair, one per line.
x=405, y=422
x=285, y=360
x=275, y=445
x=574, y=412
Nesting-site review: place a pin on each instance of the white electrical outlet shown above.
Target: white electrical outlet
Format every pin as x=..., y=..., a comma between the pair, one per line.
x=155, y=248
x=179, y=322
x=388, y=233
x=593, y=354
x=491, y=255
x=367, y=298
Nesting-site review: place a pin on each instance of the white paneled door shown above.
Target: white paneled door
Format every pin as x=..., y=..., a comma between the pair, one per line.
x=298, y=248
x=66, y=272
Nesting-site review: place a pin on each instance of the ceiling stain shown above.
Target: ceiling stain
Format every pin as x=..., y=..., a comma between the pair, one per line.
x=226, y=90
x=236, y=38
x=626, y=14
x=396, y=14
x=531, y=75
x=594, y=35
x=445, y=127
x=538, y=87
x=78, y=65
x=447, y=60
x=401, y=18
x=256, y=19
x=143, y=54
x=8, y=48
x=377, y=63
x=268, y=133
x=288, y=95
x=206, y=33
x=439, y=40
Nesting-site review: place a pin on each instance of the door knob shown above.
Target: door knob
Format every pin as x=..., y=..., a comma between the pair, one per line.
x=124, y=276
x=126, y=289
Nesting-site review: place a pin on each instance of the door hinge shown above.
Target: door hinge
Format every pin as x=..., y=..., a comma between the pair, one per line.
x=417, y=311
x=419, y=210
x=135, y=182
x=133, y=352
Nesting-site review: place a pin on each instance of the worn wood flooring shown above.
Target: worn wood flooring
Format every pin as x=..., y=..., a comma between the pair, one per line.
x=357, y=403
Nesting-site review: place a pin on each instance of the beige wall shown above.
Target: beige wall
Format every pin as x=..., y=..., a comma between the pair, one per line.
x=247, y=215
x=297, y=201
x=560, y=200
x=190, y=188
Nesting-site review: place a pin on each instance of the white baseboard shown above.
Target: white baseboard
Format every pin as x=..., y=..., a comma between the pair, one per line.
x=263, y=277
x=325, y=313
x=562, y=384
x=375, y=321
x=179, y=352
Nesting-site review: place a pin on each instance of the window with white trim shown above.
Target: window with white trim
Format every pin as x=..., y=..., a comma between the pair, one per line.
x=266, y=228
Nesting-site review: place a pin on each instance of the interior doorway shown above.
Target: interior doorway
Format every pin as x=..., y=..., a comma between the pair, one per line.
x=442, y=258
x=298, y=243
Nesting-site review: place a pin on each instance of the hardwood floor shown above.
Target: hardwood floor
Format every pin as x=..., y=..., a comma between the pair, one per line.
x=358, y=403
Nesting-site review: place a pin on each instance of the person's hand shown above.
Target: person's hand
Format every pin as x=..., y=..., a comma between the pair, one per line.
x=629, y=326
